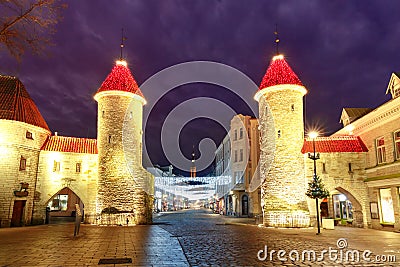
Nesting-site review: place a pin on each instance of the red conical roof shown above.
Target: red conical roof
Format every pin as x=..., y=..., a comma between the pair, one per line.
x=17, y=105
x=279, y=72
x=120, y=79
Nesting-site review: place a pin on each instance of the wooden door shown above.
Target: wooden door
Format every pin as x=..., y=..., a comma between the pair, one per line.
x=18, y=212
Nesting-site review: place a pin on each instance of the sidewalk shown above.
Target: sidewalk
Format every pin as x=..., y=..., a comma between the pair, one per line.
x=55, y=245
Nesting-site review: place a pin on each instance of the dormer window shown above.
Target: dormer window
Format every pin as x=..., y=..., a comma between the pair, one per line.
x=394, y=85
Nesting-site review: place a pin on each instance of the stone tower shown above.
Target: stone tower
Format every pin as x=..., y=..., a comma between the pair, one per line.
x=280, y=99
x=125, y=189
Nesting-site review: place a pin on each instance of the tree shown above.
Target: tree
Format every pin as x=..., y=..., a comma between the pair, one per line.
x=316, y=189
x=28, y=25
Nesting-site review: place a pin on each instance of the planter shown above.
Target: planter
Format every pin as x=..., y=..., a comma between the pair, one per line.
x=21, y=193
x=328, y=224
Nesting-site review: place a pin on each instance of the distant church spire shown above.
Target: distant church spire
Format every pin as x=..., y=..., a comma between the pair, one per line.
x=193, y=167
x=276, y=39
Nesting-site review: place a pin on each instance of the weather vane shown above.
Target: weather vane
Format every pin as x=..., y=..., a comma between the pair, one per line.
x=123, y=38
x=276, y=39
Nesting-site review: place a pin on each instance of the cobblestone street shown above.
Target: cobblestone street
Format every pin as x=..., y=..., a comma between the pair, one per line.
x=186, y=238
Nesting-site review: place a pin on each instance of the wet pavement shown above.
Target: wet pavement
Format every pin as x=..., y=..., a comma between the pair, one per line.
x=195, y=238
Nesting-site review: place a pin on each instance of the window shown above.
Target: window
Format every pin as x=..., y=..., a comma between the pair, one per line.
x=386, y=205
x=240, y=133
x=235, y=156
x=235, y=137
x=279, y=133
x=292, y=107
x=109, y=139
x=350, y=167
x=22, y=164
x=29, y=135
x=241, y=154
x=56, y=166
x=380, y=150
x=397, y=144
x=102, y=114
x=130, y=115
x=78, y=167
x=324, y=167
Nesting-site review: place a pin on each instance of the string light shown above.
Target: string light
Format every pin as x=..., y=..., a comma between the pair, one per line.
x=279, y=72
x=120, y=79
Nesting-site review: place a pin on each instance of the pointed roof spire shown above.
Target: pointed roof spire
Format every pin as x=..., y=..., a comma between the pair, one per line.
x=16, y=104
x=279, y=72
x=276, y=39
x=121, y=78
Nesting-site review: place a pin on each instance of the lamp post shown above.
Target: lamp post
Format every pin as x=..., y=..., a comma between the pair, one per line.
x=315, y=157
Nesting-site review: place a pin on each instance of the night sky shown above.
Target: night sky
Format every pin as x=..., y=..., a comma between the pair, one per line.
x=343, y=51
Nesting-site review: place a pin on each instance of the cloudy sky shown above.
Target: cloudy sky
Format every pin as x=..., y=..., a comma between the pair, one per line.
x=343, y=51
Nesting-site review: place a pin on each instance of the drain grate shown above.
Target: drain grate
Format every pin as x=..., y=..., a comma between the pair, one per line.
x=115, y=261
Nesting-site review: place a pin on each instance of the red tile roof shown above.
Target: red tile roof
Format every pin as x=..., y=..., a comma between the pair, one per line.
x=279, y=72
x=344, y=143
x=16, y=104
x=120, y=79
x=70, y=144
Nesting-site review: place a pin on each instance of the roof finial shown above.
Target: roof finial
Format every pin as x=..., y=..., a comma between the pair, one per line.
x=276, y=39
x=123, y=38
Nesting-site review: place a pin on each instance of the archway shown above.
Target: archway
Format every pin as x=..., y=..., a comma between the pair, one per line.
x=61, y=207
x=347, y=208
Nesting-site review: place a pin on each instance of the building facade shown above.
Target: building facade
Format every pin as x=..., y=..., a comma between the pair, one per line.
x=379, y=129
x=46, y=175
x=236, y=164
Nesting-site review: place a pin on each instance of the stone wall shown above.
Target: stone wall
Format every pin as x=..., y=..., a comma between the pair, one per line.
x=124, y=187
x=281, y=161
x=50, y=181
x=338, y=179
x=14, y=144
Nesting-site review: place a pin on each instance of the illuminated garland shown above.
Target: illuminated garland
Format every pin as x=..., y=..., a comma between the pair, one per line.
x=279, y=72
x=120, y=79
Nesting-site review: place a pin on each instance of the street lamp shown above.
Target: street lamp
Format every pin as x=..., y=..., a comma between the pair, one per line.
x=315, y=157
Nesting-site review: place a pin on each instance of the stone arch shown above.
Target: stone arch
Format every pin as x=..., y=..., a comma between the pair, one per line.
x=358, y=217
x=63, y=208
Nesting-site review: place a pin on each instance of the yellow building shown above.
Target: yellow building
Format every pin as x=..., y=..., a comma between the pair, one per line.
x=379, y=129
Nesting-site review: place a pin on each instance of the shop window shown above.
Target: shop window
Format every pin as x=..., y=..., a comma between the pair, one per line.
x=78, y=167
x=29, y=135
x=397, y=144
x=59, y=203
x=373, y=206
x=22, y=164
x=380, y=150
x=342, y=207
x=387, y=210
x=56, y=166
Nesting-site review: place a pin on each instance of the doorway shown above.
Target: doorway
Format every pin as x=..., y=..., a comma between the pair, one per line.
x=245, y=205
x=18, y=212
